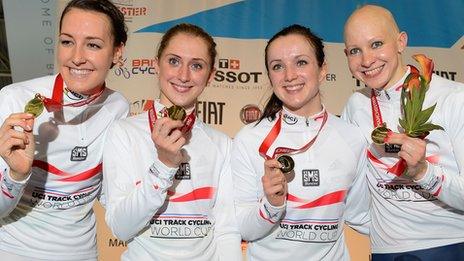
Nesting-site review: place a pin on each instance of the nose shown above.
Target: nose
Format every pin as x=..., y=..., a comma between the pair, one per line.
x=367, y=59
x=78, y=56
x=184, y=73
x=290, y=74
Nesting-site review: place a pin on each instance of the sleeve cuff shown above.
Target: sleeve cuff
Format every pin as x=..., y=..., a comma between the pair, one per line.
x=269, y=212
x=161, y=175
x=431, y=182
x=10, y=187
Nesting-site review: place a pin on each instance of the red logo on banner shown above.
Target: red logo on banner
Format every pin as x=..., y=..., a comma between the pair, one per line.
x=250, y=113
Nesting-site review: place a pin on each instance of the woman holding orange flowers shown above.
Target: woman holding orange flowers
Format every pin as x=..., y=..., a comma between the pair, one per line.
x=416, y=123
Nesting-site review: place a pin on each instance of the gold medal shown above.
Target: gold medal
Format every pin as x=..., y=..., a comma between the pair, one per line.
x=34, y=106
x=379, y=134
x=176, y=113
x=287, y=163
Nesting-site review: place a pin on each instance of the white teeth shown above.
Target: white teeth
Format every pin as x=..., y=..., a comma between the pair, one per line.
x=294, y=87
x=79, y=71
x=181, y=86
x=373, y=71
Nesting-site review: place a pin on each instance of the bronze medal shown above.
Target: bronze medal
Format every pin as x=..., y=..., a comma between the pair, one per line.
x=287, y=163
x=176, y=113
x=34, y=106
x=379, y=134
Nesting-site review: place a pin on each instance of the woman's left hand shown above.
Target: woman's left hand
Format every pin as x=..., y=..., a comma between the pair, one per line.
x=412, y=151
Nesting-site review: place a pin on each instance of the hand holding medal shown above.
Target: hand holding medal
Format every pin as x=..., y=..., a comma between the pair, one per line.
x=170, y=133
x=274, y=183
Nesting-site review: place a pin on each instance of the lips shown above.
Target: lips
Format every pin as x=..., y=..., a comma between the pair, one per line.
x=181, y=87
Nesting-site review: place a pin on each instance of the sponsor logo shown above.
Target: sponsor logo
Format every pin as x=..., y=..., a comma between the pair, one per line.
x=120, y=69
x=183, y=172
x=137, y=67
x=250, y=113
x=233, y=64
x=446, y=74
x=289, y=119
x=114, y=242
x=210, y=112
x=79, y=153
x=129, y=10
x=231, y=71
x=143, y=66
x=310, y=177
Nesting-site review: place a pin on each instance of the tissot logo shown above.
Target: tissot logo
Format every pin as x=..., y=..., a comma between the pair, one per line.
x=289, y=119
x=310, y=177
x=79, y=153
x=183, y=172
x=232, y=64
x=229, y=71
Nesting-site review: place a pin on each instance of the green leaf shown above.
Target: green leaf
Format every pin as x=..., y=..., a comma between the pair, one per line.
x=423, y=89
x=427, y=127
x=424, y=115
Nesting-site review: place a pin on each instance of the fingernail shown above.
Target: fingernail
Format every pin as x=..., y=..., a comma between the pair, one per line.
x=28, y=127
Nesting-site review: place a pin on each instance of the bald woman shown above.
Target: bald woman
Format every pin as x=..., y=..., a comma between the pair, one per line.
x=418, y=216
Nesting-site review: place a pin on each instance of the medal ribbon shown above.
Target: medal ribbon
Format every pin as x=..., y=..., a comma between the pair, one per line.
x=376, y=113
x=188, y=121
x=274, y=133
x=56, y=102
x=401, y=165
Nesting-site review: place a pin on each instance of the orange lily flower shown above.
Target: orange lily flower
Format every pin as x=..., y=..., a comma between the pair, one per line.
x=426, y=65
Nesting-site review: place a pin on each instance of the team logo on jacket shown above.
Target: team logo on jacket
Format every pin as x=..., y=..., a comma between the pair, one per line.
x=289, y=119
x=310, y=177
x=183, y=172
x=79, y=153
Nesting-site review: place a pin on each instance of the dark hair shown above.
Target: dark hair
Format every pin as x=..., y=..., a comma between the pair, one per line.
x=190, y=29
x=275, y=104
x=118, y=27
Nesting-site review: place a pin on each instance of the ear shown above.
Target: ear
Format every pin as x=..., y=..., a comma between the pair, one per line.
x=323, y=72
x=345, y=51
x=402, y=41
x=211, y=76
x=117, y=53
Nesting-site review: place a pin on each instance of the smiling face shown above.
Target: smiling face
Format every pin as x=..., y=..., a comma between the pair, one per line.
x=373, y=46
x=184, y=70
x=294, y=74
x=86, y=50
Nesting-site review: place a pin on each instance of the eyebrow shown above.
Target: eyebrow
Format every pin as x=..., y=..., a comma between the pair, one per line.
x=194, y=59
x=296, y=57
x=87, y=38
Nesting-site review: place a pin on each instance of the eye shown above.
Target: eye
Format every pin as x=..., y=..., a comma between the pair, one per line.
x=301, y=63
x=94, y=46
x=197, y=66
x=354, y=51
x=376, y=44
x=64, y=42
x=173, y=61
x=277, y=67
